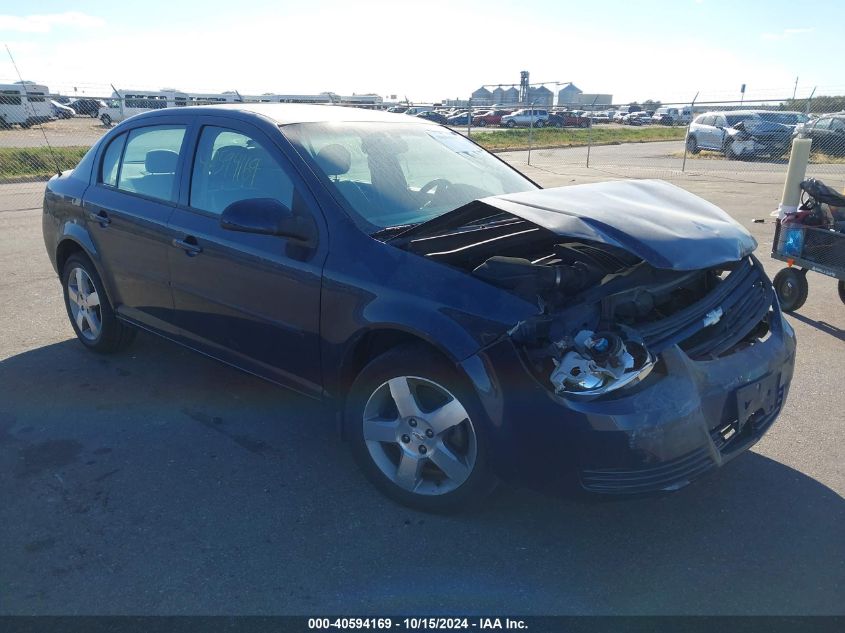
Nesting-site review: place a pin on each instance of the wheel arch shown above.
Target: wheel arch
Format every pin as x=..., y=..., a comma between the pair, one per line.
x=369, y=345
x=76, y=241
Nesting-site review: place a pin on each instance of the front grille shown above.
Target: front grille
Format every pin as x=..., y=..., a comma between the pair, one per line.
x=741, y=301
x=666, y=476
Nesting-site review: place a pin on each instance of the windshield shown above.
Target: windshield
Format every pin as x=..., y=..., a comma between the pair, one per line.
x=396, y=174
x=733, y=119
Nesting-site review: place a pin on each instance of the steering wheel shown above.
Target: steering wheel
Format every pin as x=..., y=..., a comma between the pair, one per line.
x=441, y=184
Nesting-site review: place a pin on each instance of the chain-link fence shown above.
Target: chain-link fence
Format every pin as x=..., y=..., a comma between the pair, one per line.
x=42, y=133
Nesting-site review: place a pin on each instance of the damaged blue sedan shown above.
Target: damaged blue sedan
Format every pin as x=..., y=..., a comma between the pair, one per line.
x=465, y=325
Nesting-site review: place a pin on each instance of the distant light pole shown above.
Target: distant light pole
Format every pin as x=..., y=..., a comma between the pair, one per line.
x=741, y=94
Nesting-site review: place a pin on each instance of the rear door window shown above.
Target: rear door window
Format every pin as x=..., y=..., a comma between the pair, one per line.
x=150, y=160
x=111, y=161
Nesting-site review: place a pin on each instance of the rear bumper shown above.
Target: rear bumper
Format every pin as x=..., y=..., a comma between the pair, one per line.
x=683, y=421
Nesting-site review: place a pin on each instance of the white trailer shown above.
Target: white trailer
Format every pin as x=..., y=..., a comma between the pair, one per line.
x=125, y=103
x=24, y=104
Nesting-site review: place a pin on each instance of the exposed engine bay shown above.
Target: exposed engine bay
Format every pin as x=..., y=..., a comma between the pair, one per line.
x=604, y=314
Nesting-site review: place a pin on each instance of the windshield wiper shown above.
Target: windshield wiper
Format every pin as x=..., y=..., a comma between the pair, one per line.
x=392, y=231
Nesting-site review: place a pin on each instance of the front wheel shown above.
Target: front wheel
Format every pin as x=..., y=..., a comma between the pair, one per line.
x=510, y=124
x=842, y=291
x=692, y=145
x=91, y=315
x=418, y=433
x=539, y=124
x=106, y=119
x=792, y=288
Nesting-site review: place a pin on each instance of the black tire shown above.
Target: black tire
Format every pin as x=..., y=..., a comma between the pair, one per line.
x=791, y=287
x=539, y=124
x=481, y=123
x=106, y=119
x=510, y=124
x=421, y=362
x=114, y=335
x=692, y=145
x=842, y=291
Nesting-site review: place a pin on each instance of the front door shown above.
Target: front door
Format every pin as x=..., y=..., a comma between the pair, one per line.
x=252, y=300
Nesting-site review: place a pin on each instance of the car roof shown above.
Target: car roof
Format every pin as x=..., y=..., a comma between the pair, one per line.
x=288, y=113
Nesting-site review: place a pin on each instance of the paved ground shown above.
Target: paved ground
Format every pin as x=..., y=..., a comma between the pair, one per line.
x=82, y=131
x=158, y=481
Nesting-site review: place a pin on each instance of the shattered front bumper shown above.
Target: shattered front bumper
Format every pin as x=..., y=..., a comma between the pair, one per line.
x=687, y=418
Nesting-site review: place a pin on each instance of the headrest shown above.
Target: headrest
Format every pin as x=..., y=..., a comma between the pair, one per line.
x=380, y=145
x=334, y=159
x=161, y=161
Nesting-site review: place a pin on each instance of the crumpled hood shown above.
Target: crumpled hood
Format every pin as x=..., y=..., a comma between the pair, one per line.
x=662, y=224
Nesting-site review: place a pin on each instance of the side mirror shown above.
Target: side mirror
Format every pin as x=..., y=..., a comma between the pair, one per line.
x=267, y=216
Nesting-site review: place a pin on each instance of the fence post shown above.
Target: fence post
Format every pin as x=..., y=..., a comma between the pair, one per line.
x=469, y=117
x=530, y=131
x=590, y=130
x=691, y=116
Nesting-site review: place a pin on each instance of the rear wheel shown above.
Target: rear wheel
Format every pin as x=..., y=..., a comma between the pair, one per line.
x=792, y=288
x=510, y=124
x=842, y=291
x=91, y=315
x=418, y=433
x=539, y=124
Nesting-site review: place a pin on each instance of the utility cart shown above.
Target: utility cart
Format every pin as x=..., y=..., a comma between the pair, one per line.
x=811, y=239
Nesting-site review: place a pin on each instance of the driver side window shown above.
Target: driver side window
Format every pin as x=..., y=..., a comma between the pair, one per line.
x=231, y=166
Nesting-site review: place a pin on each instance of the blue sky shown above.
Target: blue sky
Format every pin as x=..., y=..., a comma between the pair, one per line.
x=428, y=50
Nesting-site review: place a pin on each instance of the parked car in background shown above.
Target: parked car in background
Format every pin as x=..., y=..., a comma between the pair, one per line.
x=672, y=116
x=636, y=118
x=599, y=117
x=738, y=134
x=460, y=118
x=490, y=117
x=415, y=110
x=567, y=118
x=87, y=107
x=462, y=325
x=827, y=133
x=433, y=116
x=61, y=111
x=525, y=118
x=795, y=120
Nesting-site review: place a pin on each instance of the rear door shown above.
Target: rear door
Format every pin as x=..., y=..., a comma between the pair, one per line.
x=134, y=193
x=251, y=300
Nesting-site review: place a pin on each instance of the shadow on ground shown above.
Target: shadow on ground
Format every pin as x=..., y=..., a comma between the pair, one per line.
x=158, y=481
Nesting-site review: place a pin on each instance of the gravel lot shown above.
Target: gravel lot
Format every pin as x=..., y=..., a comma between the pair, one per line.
x=158, y=481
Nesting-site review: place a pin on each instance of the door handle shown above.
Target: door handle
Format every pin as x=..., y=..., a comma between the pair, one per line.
x=189, y=245
x=100, y=217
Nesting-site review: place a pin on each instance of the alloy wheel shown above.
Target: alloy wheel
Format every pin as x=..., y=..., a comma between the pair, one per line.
x=84, y=302
x=419, y=435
